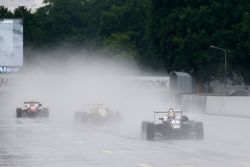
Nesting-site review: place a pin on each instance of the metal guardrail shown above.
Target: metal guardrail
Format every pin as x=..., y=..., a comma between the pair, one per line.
x=227, y=90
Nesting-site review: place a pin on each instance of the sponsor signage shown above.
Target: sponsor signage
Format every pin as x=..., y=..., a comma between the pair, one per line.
x=16, y=3
x=151, y=82
x=9, y=69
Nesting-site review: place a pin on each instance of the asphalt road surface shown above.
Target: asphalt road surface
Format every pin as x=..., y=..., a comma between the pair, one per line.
x=50, y=143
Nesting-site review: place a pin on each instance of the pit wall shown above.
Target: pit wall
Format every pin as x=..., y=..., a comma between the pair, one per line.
x=217, y=105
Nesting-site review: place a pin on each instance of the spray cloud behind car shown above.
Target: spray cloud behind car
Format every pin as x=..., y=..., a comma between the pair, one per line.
x=65, y=80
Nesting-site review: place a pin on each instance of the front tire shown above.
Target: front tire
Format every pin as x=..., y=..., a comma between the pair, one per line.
x=77, y=116
x=117, y=116
x=150, y=131
x=143, y=128
x=45, y=112
x=199, y=130
x=84, y=117
x=19, y=112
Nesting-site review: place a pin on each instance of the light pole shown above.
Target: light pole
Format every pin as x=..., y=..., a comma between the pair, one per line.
x=225, y=53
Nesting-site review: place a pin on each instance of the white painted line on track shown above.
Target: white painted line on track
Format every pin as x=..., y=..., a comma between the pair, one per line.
x=244, y=163
x=19, y=125
x=80, y=141
x=144, y=165
x=61, y=134
x=190, y=150
x=106, y=151
x=180, y=165
x=5, y=126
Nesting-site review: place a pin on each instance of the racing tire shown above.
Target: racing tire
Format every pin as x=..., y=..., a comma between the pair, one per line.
x=199, y=130
x=117, y=116
x=45, y=112
x=19, y=112
x=143, y=128
x=77, y=116
x=150, y=131
x=84, y=117
x=184, y=118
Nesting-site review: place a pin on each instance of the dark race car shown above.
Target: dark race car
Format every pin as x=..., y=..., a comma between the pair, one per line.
x=32, y=109
x=96, y=113
x=171, y=125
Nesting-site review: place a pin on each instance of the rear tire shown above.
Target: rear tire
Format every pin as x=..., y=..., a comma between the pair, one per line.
x=84, y=117
x=46, y=112
x=199, y=130
x=184, y=118
x=19, y=112
x=150, y=131
x=117, y=116
x=143, y=128
x=77, y=116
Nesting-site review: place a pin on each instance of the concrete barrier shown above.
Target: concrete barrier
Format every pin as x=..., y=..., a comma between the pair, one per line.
x=217, y=105
x=193, y=103
x=228, y=105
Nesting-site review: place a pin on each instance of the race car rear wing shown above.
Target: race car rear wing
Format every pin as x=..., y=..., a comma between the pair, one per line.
x=31, y=102
x=166, y=112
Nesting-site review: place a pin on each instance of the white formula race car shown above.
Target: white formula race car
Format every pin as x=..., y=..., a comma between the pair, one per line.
x=172, y=125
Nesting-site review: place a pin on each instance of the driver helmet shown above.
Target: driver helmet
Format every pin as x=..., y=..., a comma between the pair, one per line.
x=171, y=114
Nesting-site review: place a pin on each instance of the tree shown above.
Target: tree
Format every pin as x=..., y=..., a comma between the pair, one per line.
x=26, y=15
x=181, y=32
x=5, y=12
x=123, y=25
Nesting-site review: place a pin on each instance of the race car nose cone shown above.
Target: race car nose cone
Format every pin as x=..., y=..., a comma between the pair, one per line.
x=33, y=109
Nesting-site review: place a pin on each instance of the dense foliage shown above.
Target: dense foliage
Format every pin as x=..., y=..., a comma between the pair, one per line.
x=163, y=35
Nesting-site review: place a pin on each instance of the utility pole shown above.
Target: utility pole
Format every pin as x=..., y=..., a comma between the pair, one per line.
x=225, y=63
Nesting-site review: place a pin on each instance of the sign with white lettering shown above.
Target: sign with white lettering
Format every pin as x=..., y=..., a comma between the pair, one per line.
x=9, y=69
x=16, y=3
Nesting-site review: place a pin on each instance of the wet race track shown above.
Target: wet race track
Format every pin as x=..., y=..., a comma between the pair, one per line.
x=52, y=143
